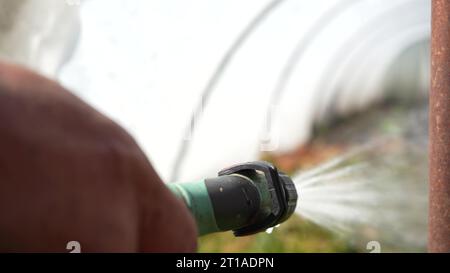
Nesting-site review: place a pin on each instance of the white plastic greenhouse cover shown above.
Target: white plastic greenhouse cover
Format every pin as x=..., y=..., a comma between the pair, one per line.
x=150, y=64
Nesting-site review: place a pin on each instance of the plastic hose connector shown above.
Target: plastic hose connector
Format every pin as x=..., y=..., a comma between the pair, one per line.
x=281, y=195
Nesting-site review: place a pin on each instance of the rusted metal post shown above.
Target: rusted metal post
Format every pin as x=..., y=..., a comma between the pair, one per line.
x=439, y=208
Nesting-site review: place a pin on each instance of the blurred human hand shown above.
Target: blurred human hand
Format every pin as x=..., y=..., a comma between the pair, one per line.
x=68, y=173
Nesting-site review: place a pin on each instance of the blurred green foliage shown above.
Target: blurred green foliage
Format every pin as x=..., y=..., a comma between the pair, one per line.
x=295, y=235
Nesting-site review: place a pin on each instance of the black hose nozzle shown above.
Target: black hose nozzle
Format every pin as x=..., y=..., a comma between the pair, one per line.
x=246, y=198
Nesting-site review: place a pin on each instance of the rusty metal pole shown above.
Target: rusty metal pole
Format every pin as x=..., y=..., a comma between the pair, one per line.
x=439, y=208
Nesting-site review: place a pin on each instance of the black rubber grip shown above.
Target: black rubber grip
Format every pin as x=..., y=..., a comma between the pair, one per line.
x=235, y=200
